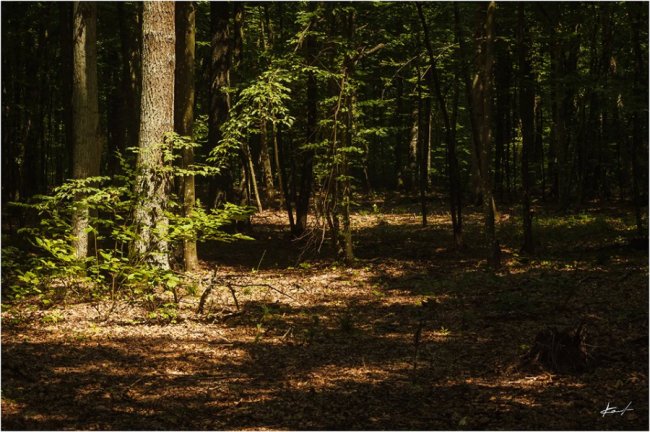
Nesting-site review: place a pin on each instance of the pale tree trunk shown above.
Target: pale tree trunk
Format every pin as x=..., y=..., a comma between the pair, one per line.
x=184, y=111
x=157, y=118
x=85, y=112
x=482, y=92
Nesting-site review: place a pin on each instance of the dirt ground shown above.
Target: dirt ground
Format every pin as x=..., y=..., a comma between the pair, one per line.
x=316, y=345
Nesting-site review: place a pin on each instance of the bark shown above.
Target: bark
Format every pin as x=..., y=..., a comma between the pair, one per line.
x=475, y=169
x=130, y=17
x=307, y=175
x=527, y=118
x=219, y=79
x=424, y=116
x=157, y=103
x=639, y=118
x=482, y=91
x=85, y=113
x=184, y=111
x=265, y=159
x=455, y=202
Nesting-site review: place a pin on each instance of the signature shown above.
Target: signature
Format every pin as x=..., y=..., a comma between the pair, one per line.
x=613, y=410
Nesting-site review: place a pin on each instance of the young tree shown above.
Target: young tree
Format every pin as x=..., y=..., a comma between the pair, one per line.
x=87, y=149
x=184, y=110
x=157, y=118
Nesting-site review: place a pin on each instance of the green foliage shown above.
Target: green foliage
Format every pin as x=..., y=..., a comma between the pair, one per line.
x=50, y=269
x=264, y=101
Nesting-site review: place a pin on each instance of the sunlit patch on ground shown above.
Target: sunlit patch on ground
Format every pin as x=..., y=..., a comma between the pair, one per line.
x=329, y=347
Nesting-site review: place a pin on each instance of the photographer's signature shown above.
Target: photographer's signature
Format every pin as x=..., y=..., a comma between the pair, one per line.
x=614, y=410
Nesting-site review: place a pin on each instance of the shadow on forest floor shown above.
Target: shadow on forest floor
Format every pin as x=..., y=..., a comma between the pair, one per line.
x=336, y=350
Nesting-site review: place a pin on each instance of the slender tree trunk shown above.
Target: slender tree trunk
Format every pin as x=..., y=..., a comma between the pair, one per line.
x=475, y=169
x=527, y=117
x=424, y=111
x=455, y=202
x=85, y=113
x=184, y=111
x=157, y=118
x=130, y=42
x=639, y=118
x=482, y=91
x=219, y=80
x=307, y=176
x=265, y=159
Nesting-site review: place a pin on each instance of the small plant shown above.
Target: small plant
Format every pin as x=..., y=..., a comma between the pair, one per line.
x=52, y=318
x=50, y=268
x=165, y=314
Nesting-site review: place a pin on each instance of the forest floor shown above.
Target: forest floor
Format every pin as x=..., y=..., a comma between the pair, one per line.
x=316, y=345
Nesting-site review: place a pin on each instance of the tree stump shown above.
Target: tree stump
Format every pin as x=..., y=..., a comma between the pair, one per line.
x=562, y=351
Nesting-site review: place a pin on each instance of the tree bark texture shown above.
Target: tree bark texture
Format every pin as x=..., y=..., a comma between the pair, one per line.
x=527, y=117
x=157, y=118
x=482, y=91
x=184, y=111
x=219, y=80
x=87, y=149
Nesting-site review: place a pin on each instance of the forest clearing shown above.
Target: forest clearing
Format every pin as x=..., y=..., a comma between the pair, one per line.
x=324, y=215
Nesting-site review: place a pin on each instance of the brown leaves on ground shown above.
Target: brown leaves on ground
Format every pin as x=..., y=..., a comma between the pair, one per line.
x=321, y=346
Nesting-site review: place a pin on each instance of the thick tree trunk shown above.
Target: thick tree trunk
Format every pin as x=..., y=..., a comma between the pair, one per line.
x=158, y=60
x=527, y=116
x=184, y=111
x=85, y=112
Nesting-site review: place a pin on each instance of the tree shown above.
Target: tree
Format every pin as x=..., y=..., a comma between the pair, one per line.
x=311, y=107
x=449, y=122
x=482, y=102
x=220, y=62
x=85, y=113
x=157, y=119
x=184, y=111
x=526, y=113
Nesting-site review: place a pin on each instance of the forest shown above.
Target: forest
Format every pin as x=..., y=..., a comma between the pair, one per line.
x=321, y=215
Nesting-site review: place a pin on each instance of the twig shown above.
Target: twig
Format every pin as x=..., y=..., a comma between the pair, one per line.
x=260, y=263
x=264, y=285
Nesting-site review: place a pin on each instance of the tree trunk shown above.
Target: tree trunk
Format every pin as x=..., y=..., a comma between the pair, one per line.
x=184, y=111
x=527, y=117
x=482, y=91
x=307, y=174
x=157, y=118
x=639, y=117
x=455, y=201
x=85, y=112
x=424, y=114
x=219, y=80
x=130, y=43
x=475, y=171
x=265, y=159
